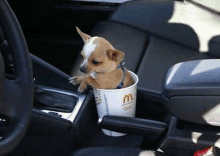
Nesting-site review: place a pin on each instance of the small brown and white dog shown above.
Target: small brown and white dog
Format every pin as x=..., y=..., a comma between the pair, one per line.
x=101, y=65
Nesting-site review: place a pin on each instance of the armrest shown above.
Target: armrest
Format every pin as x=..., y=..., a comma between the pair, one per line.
x=193, y=78
x=192, y=91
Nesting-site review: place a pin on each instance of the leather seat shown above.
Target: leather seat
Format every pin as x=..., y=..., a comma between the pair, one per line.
x=113, y=151
x=153, y=40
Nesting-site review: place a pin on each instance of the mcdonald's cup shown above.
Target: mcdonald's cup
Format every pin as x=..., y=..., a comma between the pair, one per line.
x=120, y=102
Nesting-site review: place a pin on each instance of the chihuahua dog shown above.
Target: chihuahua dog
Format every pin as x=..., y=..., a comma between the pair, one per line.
x=102, y=65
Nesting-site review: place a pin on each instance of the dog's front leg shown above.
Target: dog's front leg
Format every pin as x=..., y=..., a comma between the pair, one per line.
x=76, y=80
x=88, y=81
x=91, y=81
x=82, y=86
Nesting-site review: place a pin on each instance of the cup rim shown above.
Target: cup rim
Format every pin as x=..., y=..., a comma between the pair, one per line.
x=123, y=88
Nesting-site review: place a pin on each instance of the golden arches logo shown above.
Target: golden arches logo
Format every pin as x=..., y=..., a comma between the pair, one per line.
x=127, y=98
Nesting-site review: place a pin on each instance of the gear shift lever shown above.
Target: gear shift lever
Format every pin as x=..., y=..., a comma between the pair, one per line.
x=50, y=100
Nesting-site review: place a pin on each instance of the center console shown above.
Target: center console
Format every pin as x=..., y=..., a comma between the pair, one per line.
x=79, y=122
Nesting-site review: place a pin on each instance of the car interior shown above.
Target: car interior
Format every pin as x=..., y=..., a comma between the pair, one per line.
x=172, y=45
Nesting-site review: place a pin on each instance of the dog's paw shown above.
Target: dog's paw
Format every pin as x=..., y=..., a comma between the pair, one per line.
x=74, y=80
x=80, y=90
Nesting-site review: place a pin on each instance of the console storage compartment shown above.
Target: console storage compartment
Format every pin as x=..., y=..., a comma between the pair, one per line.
x=185, y=138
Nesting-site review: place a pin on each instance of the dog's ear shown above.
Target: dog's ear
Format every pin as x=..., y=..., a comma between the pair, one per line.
x=115, y=55
x=84, y=36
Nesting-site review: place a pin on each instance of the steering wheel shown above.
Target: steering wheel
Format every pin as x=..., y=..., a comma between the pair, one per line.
x=16, y=96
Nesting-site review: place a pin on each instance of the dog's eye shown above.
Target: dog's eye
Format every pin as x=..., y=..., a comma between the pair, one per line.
x=95, y=62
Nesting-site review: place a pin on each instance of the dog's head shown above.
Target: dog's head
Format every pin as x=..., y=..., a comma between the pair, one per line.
x=99, y=56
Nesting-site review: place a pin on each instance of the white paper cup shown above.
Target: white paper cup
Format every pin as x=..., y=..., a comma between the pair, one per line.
x=120, y=102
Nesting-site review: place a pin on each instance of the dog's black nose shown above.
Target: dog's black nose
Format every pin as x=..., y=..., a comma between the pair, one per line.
x=82, y=69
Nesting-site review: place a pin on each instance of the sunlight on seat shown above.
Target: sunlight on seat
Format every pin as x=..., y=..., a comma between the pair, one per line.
x=195, y=136
x=194, y=16
x=143, y=153
x=217, y=143
x=212, y=4
x=210, y=115
x=203, y=66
